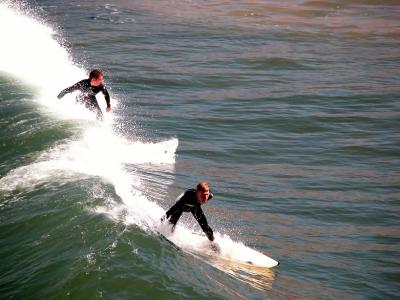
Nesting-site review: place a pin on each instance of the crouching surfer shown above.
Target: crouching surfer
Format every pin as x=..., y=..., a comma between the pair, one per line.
x=89, y=88
x=191, y=201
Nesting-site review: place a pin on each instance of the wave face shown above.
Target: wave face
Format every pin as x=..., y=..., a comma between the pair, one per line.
x=35, y=58
x=289, y=109
x=90, y=151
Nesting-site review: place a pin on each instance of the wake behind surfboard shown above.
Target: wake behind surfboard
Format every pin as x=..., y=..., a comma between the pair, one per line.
x=259, y=277
x=197, y=244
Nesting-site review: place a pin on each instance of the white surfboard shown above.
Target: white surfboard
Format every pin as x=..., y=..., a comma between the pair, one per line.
x=197, y=244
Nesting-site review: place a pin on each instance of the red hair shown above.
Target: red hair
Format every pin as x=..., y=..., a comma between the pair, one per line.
x=203, y=186
x=95, y=74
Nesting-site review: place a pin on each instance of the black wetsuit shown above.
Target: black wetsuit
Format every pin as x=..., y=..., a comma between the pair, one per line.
x=188, y=203
x=88, y=95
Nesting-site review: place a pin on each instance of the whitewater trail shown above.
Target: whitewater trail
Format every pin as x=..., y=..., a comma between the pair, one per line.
x=32, y=54
x=97, y=150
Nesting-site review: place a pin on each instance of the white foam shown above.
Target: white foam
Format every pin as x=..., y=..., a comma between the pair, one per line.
x=30, y=52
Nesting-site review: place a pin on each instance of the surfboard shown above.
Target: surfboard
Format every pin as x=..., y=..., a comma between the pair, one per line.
x=197, y=243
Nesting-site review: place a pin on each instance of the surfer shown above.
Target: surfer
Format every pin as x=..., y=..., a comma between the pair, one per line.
x=191, y=201
x=89, y=88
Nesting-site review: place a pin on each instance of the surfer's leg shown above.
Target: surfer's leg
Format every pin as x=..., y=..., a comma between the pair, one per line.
x=174, y=218
x=92, y=105
x=99, y=115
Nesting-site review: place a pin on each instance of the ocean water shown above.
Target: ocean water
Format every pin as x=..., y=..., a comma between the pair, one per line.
x=289, y=109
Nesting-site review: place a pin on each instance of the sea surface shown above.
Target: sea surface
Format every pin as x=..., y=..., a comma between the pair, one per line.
x=289, y=109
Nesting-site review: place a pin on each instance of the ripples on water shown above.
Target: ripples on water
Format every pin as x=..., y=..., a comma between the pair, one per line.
x=288, y=108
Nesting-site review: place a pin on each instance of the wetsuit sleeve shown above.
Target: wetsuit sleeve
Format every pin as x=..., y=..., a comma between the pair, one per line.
x=201, y=218
x=106, y=96
x=72, y=88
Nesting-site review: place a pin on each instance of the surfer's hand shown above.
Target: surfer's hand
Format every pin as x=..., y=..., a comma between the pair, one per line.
x=108, y=109
x=162, y=219
x=215, y=247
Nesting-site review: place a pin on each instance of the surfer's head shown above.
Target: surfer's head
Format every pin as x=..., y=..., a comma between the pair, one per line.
x=96, y=77
x=202, y=192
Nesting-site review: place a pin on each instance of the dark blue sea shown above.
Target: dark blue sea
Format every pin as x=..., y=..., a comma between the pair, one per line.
x=290, y=110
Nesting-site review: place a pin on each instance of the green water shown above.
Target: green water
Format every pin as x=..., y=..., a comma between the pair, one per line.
x=289, y=109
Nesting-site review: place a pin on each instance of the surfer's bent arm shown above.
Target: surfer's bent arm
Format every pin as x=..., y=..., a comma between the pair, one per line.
x=72, y=88
x=176, y=210
x=201, y=218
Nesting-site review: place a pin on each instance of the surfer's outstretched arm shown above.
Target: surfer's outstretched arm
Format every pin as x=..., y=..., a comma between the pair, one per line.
x=201, y=218
x=107, y=97
x=72, y=88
